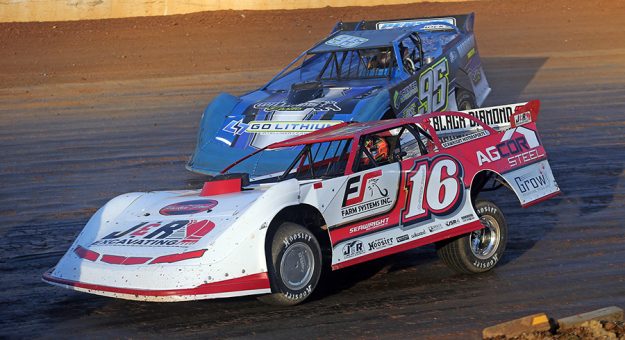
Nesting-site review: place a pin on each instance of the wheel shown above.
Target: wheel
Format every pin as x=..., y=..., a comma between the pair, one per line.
x=478, y=251
x=294, y=266
x=465, y=100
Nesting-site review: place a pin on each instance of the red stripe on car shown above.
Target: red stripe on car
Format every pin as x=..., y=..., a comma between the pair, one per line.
x=114, y=259
x=86, y=254
x=179, y=257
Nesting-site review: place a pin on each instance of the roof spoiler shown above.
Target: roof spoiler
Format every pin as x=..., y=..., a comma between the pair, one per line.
x=463, y=22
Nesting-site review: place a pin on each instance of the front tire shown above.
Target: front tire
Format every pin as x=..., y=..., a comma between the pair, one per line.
x=294, y=266
x=481, y=250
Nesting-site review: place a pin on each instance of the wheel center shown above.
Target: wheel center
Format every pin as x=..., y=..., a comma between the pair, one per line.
x=297, y=266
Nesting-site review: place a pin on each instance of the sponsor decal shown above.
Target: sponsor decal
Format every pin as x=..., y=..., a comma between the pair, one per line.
x=471, y=53
x=518, y=150
x=179, y=233
x=525, y=157
x=380, y=243
x=435, y=227
x=531, y=182
x=467, y=218
x=409, y=111
x=188, y=207
x=346, y=41
x=353, y=248
x=464, y=139
x=492, y=116
x=369, y=226
x=451, y=222
x=354, y=202
x=396, y=101
x=429, y=24
x=294, y=127
x=402, y=238
x=235, y=127
x=406, y=93
x=418, y=234
x=325, y=105
x=476, y=76
x=436, y=27
x=522, y=118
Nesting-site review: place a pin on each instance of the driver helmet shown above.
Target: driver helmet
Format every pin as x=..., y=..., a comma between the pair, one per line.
x=378, y=147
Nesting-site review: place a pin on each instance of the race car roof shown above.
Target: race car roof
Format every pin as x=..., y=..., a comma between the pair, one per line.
x=356, y=40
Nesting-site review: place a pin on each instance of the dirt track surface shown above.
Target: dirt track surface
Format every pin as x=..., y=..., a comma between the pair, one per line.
x=90, y=110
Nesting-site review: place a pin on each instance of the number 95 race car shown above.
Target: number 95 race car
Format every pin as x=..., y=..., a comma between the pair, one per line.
x=363, y=71
x=354, y=192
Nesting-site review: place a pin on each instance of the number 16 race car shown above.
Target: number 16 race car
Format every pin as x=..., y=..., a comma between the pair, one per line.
x=352, y=193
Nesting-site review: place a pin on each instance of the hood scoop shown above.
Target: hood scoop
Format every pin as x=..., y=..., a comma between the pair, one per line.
x=304, y=92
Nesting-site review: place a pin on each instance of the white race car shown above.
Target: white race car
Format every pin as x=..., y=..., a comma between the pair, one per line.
x=354, y=192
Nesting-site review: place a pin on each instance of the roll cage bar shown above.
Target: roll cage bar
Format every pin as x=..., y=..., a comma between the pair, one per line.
x=394, y=45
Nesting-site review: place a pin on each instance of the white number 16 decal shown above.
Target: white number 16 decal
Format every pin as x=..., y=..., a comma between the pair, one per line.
x=437, y=191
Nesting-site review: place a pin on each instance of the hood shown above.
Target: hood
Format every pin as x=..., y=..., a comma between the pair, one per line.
x=159, y=224
x=232, y=127
x=306, y=107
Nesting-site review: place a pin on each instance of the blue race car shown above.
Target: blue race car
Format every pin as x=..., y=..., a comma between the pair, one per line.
x=363, y=71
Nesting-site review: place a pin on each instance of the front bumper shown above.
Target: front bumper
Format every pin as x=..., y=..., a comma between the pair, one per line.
x=246, y=285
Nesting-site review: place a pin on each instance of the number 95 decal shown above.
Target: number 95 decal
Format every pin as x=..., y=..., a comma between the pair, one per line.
x=433, y=187
x=433, y=87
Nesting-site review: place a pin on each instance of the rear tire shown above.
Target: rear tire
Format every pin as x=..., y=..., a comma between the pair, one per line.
x=478, y=251
x=465, y=100
x=294, y=265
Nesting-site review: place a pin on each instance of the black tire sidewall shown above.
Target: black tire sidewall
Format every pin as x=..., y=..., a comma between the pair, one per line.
x=483, y=207
x=287, y=235
x=463, y=96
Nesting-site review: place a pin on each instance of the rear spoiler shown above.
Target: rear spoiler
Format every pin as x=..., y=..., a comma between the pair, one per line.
x=500, y=118
x=464, y=22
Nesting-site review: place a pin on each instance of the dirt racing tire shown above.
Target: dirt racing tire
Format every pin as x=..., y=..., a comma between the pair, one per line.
x=465, y=100
x=478, y=251
x=294, y=265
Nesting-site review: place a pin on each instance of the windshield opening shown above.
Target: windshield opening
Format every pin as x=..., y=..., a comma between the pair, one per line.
x=358, y=64
x=320, y=160
x=311, y=161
